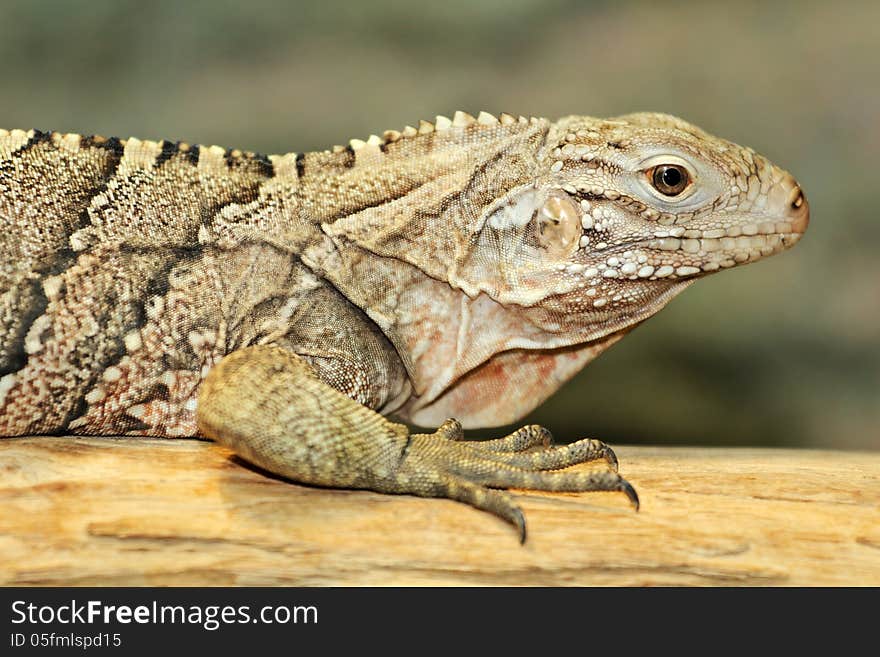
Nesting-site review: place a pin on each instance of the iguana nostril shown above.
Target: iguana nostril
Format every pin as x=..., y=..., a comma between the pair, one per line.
x=798, y=209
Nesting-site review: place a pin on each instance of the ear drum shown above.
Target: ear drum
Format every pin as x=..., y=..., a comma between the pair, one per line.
x=557, y=225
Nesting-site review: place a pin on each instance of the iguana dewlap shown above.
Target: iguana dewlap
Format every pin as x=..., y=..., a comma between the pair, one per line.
x=284, y=305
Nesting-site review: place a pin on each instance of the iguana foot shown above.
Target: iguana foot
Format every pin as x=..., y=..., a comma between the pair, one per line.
x=469, y=471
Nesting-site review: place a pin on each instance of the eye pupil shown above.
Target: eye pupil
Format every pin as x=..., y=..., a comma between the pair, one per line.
x=670, y=179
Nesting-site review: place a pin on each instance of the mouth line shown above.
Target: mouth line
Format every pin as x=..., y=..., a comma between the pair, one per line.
x=694, y=246
x=716, y=239
x=681, y=258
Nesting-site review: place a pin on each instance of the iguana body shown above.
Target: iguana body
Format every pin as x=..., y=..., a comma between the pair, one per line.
x=283, y=305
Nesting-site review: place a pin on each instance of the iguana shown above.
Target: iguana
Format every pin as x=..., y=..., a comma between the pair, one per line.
x=284, y=305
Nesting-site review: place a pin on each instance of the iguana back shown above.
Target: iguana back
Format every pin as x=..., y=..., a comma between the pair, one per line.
x=108, y=298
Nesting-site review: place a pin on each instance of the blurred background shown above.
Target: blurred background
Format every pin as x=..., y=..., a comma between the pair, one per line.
x=784, y=352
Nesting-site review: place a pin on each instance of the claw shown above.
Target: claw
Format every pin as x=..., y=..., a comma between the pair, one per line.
x=546, y=437
x=627, y=488
x=450, y=430
x=611, y=458
x=520, y=522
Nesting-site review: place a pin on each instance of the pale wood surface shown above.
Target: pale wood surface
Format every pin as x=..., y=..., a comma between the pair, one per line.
x=157, y=512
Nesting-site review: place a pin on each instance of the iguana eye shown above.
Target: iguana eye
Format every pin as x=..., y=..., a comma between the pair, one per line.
x=669, y=179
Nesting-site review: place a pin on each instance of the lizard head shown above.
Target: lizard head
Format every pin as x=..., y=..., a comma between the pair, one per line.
x=530, y=247
x=624, y=213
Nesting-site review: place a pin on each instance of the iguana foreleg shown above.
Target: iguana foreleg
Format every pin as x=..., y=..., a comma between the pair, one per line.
x=270, y=407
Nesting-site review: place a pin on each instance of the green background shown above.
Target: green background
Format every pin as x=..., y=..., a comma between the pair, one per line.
x=783, y=352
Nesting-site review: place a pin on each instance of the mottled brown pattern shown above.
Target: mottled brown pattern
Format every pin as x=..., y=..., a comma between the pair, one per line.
x=46, y=182
x=95, y=234
x=466, y=267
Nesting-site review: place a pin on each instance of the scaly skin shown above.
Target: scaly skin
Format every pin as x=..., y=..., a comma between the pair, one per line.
x=285, y=305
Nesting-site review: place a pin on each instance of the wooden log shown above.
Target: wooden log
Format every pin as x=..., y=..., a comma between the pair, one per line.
x=184, y=512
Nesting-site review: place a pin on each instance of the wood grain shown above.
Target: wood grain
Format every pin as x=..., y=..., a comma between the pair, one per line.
x=183, y=512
